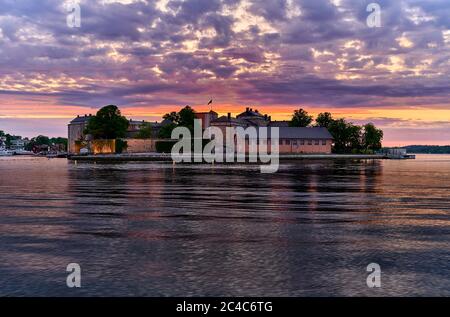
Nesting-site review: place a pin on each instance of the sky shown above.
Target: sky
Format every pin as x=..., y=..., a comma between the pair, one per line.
x=152, y=57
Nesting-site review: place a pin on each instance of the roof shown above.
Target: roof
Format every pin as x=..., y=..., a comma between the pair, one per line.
x=135, y=122
x=279, y=124
x=305, y=133
x=81, y=119
x=226, y=119
x=250, y=113
x=302, y=133
x=208, y=112
x=154, y=124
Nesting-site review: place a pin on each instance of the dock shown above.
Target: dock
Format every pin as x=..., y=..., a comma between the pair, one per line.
x=164, y=157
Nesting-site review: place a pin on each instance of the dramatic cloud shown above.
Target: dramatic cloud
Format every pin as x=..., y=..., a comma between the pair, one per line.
x=278, y=54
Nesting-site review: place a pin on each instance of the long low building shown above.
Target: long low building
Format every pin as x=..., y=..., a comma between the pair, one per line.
x=291, y=139
x=305, y=140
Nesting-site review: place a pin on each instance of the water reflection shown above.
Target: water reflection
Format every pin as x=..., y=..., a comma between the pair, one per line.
x=154, y=229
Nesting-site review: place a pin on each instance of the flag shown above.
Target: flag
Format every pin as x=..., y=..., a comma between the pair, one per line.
x=210, y=102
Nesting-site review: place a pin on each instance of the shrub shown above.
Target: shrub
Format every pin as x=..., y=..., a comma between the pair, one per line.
x=165, y=146
x=121, y=145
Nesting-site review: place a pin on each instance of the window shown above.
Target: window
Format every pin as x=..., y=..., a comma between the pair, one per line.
x=317, y=142
x=294, y=142
x=288, y=142
x=324, y=142
x=302, y=142
x=310, y=142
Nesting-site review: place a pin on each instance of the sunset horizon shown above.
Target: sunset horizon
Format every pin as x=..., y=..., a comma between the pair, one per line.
x=30, y=125
x=277, y=57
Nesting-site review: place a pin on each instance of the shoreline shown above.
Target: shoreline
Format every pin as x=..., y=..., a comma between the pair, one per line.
x=161, y=157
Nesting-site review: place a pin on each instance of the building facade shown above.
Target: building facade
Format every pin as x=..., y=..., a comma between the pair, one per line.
x=291, y=139
x=76, y=132
x=77, y=126
x=207, y=118
x=314, y=140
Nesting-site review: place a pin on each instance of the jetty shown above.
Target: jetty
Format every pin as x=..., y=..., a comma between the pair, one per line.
x=166, y=157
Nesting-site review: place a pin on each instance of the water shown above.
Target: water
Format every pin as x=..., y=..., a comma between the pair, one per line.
x=151, y=229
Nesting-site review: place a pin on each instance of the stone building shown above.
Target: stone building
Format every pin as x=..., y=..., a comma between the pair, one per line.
x=77, y=126
x=291, y=139
x=76, y=132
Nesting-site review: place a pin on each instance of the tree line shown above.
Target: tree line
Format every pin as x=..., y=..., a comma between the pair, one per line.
x=31, y=144
x=348, y=137
x=428, y=149
x=109, y=123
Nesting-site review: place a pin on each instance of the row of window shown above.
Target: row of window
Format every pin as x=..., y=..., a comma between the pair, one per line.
x=303, y=142
x=295, y=142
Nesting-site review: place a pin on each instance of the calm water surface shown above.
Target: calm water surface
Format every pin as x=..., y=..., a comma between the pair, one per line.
x=149, y=229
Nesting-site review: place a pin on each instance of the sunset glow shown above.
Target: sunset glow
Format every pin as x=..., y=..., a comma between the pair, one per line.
x=153, y=57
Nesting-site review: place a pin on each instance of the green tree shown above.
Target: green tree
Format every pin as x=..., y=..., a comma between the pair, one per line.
x=301, y=118
x=38, y=141
x=3, y=141
x=354, y=142
x=184, y=118
x=172, y=117
x=145, y=131
x=60, y=141
x=347, y=136
x=372, y=137
x=324, y=120
x=108, y=123
x=42, y=140
x=338, y=129
x=187, y=117
x=166, y=131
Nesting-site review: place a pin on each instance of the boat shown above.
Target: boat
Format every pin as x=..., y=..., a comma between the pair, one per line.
x=57, y=155
x=4, y=152
x=398, y=154
x=23, y=152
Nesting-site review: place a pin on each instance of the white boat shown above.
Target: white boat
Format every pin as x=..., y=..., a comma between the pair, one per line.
x=4, y=152
x=23, y=152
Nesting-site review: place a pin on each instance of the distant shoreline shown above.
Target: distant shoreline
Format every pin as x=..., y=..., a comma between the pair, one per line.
x=428, y=149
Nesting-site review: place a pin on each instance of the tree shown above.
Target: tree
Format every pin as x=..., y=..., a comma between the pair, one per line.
x=172, y=117
x=301, y=118
x=166, y=131
x=372, y=138
x=60, y=141
x=2, y=141
x=187, y=117
x=42, y=140
x=324, y=120
x=338, y=129
x=354, y=141
x=347, y=136
x=38, y=141
x=108, y=123
x=8, y=140
x=145, y=131
x=184, y=118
